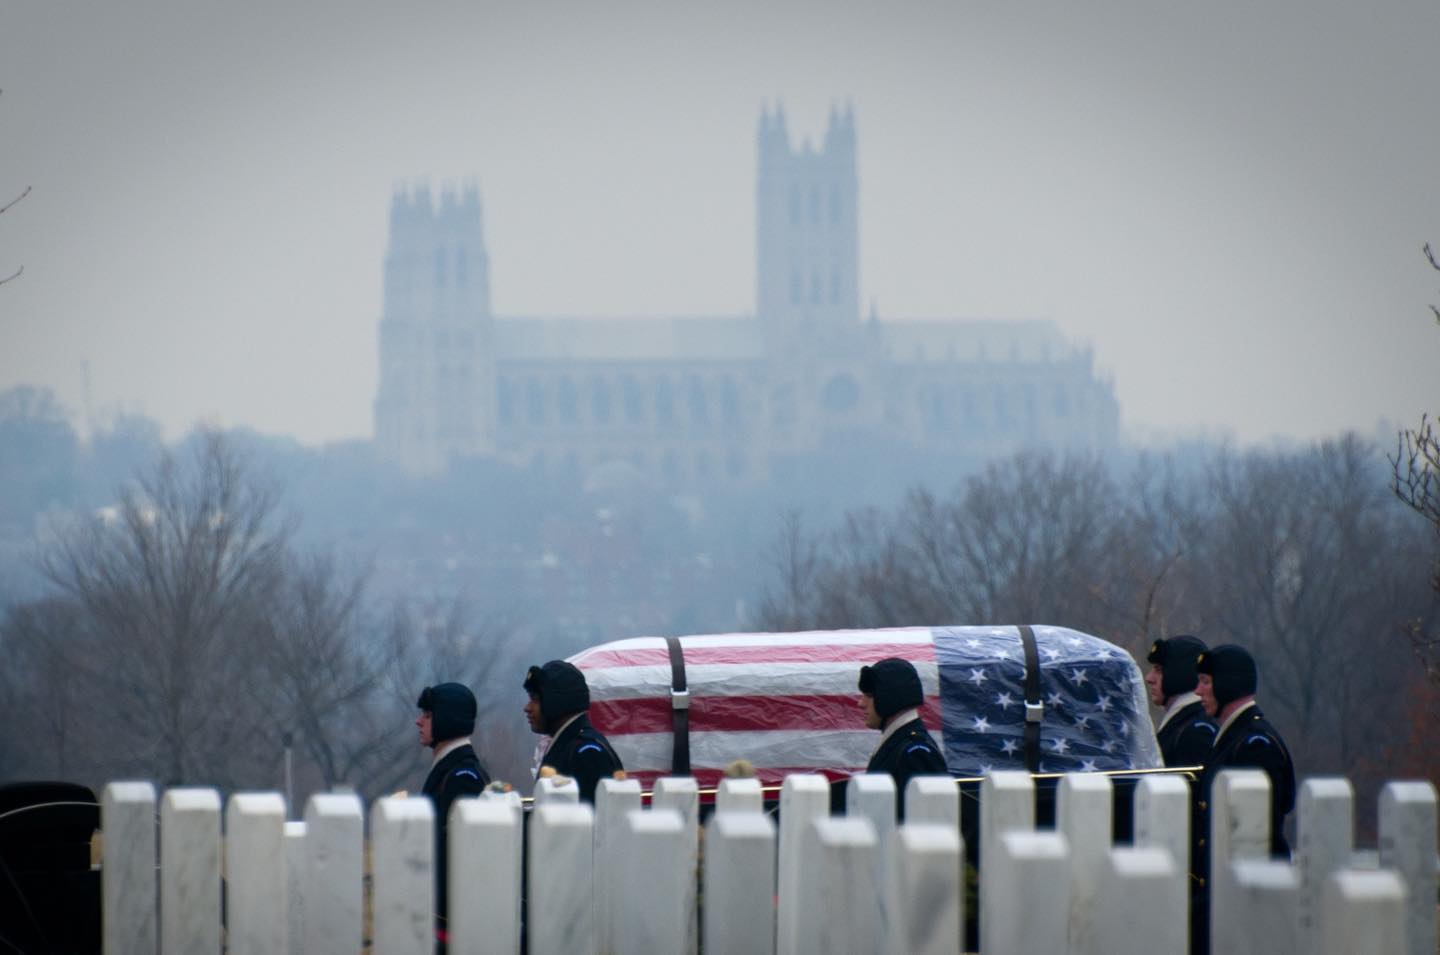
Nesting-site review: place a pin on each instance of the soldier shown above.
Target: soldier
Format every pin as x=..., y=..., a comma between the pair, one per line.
x=892, y=696
x=1185, y=733
x=1226, y=686
x=559, y=698
x=447, y=718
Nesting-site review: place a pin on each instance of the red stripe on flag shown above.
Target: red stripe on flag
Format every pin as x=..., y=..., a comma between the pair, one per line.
x=741, y=713
x=761, y=654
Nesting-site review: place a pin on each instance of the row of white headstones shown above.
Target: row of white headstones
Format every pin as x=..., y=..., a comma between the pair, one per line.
x=622, y=878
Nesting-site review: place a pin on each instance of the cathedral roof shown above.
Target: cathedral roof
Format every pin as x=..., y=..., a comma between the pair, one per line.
x=728, y=338
x=946, y=340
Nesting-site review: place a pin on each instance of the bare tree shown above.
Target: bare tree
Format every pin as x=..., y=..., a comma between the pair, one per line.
x=171, y=586
x=4, y=209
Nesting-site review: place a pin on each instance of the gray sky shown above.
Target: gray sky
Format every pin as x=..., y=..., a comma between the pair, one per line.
x=1226, y=199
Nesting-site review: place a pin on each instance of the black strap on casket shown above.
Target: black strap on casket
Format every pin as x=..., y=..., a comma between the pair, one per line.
x=1034, y=708
x=679, y=710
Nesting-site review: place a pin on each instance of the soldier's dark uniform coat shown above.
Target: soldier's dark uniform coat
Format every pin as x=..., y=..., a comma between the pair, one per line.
x=457, y=774
x=581, y=752
x=1186, y=740
x=1248, y=743
x=909, y=751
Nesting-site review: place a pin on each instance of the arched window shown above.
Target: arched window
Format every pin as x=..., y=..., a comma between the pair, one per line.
x=460, y=274
x=632, y=399
x=600, y=400
x=535, y=400
x=440, y=268
x=796, y=292
x=729, y=401
x=835, y=286
x=794, y=205
x=664, y=401
x=699, y=402
x=834, y=205
x=814, y=205
x=566, y=401
x=815, y=287
x=505, y=403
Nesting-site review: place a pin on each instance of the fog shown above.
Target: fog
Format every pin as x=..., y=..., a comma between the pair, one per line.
x=1226, y=201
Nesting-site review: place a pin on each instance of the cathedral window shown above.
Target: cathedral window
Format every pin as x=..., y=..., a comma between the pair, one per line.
x=699, y=403
x=735, y=463
x=1062, y=402
x=703, y=465
x=729, y=401
x=535, y=400
x=782, y=406
x=1028, y=391
x=794, y=205
x=566, y=401
x=815, y=298
x=505, y=403
x=1002, y=409
x=460, y=273
x=633, y=401
x=835, y=286
x=600, y=401
x=440, y=268
x=814, y=205
x=664, y=401
x=796, y=290
x=834, y=205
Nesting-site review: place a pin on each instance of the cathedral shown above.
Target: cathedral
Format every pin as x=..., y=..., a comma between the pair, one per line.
x=691, y=402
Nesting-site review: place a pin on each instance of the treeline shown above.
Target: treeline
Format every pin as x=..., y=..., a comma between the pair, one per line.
x=1304, y=556
x=187, y=639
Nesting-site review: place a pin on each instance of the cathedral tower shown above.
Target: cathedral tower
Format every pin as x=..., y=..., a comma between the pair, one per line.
x=437, y=361
x=807, y=227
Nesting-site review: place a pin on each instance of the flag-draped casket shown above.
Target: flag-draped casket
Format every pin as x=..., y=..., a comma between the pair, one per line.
x=788, y=702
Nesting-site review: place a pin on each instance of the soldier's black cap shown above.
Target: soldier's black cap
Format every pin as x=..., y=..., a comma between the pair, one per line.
x=560, y=687
x=1177, y=656
x=452, y=711
x=894, y=684
x=1232, y=671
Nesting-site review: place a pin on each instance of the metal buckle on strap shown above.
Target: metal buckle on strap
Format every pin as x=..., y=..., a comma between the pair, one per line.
x=680, y=699
x=1034, y=712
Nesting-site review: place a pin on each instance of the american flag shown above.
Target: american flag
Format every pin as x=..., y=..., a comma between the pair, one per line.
x=788, y=702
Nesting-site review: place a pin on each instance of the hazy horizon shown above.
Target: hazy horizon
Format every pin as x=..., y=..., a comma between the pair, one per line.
x=1226, y=203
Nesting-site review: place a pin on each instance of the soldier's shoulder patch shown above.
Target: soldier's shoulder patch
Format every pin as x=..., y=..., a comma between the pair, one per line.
x=466, y=771
x=589, y=748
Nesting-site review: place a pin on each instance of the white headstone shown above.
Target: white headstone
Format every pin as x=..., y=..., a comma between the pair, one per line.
x=1407, y=845
x=1259, y=912
x=295, y=887
x=1364, y=912
x=484, y=877
x=930, y=916
x=1083, y=815
x=190, y=871
x=739, y=795
x=556, y=789
x=682, y=794
x=872, y=796
x=561, y=852
x=1025, y=897
x=614, y=798
x=334, y=866
x=1239, y=830
x=1162, y=816
x=655, y=903
x=255, y=903
x=739, y=884
x=839, y=905
x=1007, y=802
x=803, y=799
x=402, y=875
x=127, y=868
x=1142, y=895
x=933, y=799
x=1325, y=836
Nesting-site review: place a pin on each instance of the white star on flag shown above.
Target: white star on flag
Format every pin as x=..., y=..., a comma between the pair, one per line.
x=1087, y=766
x=982, y=724
x=977, y=676
x=1061, y=745
x=1078, y=677
x=1054, y=700
x=1010, y=747
x=1103, y=704
x=1003, y=700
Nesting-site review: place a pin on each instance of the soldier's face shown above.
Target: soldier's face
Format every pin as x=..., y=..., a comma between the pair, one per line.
x=423, y=722
x=532, y=713
x=1153, y=681
x=872, y=718
x=1205, y=689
